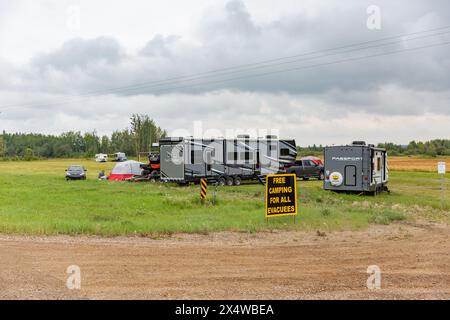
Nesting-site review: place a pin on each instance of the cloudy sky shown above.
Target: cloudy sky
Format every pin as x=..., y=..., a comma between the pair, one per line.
x=319, y=72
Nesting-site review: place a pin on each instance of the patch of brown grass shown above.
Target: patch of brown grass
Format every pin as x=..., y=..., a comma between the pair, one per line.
x=415, y=163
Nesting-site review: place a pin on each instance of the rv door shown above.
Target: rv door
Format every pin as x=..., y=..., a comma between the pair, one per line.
x=378, y=167
x=350, y=175
x=208, y=162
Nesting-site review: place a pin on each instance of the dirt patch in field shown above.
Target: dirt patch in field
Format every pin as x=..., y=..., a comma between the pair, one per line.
x=414, y=261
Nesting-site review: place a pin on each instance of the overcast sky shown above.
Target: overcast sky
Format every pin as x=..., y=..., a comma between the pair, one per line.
x=84, y=65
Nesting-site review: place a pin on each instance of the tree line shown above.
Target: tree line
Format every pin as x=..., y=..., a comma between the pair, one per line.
x=432, y=148
x=142, y=133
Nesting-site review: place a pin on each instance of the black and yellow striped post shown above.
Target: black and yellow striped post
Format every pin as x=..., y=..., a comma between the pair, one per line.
x=203, y=189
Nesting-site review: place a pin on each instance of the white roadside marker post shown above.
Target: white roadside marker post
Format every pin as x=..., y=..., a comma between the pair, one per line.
x=441, y=171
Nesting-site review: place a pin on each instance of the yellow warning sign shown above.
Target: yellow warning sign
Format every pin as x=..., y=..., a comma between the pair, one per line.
x=203, y=188
x=281, y=195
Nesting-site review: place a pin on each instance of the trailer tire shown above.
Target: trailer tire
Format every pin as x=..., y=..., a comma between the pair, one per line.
x=237, y=181
x=222, y=181
x=229, y=181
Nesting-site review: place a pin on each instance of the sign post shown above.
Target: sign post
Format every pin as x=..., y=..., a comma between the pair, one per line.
x=215, y=193
x=441, y=171
x=281, y=195
x=203, y=189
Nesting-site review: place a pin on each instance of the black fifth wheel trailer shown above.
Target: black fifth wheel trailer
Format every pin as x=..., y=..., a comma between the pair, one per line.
x=356, y=168
x=227, y=161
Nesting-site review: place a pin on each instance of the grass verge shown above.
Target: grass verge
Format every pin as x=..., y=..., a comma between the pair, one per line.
x=35, y=199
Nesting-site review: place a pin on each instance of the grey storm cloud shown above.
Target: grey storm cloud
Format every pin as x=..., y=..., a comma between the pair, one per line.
x=82, y=54
x=160, y=45
x=233, y=38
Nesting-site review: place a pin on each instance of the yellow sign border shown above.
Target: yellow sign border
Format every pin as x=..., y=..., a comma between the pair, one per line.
x=295, y=192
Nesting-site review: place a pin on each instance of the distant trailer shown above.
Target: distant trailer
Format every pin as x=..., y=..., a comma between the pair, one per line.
x=119, y=157
x=227, y=161
x=101, y=157
x=356, y=168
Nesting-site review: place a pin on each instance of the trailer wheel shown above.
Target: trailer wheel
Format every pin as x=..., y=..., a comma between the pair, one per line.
x=237, y=181
x=229, y=181
x=222, y=181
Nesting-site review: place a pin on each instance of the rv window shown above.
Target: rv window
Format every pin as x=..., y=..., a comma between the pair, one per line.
x=284, y=152
x=232, y=156
x=246, y=156
x=378, y=164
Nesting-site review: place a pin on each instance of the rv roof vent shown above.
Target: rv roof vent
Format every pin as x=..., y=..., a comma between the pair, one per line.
x=359, y=143
x=271, y=136
x=243, y=136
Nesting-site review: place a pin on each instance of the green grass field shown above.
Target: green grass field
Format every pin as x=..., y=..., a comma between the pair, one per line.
x=36, y=199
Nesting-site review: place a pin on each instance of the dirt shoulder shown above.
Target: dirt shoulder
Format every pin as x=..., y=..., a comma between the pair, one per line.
x=414, y=261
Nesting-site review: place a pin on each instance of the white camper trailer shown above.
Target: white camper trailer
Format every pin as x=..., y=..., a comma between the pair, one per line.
x=120, y=156
x=101, y=157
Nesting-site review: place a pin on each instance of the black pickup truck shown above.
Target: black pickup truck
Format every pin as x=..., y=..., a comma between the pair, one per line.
x=306, y=169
